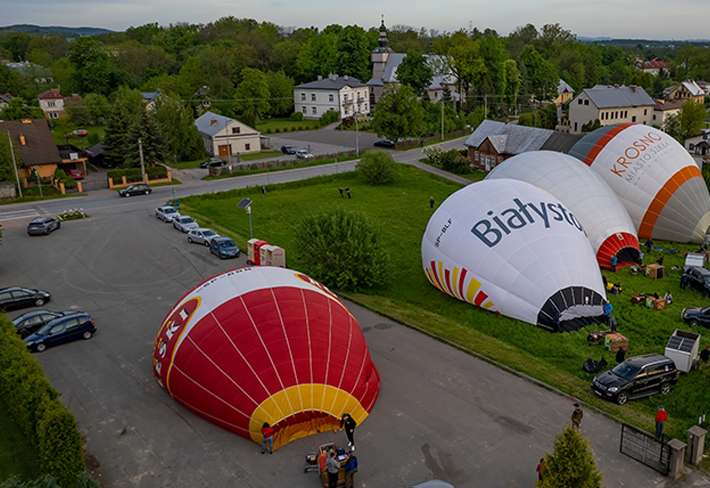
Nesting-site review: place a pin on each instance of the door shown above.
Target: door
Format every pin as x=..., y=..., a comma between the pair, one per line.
x=225, y=151
x=21, y=298
x=73, y=331
x=55, y=335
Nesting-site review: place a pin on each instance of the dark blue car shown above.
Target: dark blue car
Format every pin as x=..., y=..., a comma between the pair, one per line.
x=78, y=325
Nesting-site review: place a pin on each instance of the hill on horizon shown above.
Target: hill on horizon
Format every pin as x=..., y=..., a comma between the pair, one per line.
x=58, y=30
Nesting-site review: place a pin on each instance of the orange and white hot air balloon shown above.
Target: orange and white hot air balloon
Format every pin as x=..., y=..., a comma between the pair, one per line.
x=266, y=344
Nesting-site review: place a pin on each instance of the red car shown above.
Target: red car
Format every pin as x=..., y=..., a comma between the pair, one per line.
x=76, y=174
x=78, y=133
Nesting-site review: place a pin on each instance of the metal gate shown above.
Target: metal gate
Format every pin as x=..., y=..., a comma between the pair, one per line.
x=94, y=184
x=644, y=448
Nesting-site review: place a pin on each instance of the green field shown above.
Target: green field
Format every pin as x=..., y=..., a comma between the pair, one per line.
x=402, y=211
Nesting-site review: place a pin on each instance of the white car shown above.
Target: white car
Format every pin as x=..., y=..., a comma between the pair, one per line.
x=166, y=213
x=303, y=154
x=183, y=223
x=201, y=236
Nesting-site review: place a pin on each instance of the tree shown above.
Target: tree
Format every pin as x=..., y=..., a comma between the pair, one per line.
x=151, y=142
x=377, y=168
x=317, y=57
x=7, y=172
x=572, y=464
x=342, y=249
x=281, y=92
x=177, y=129
x=398, y=113
x=414, y=70
x=512, y=81
x=126, y=113
x=353, y=53
x=542, y=78
x=17, y=110
x=692, y=115
x=94, y=69
x=252, y=96
x=671, y=126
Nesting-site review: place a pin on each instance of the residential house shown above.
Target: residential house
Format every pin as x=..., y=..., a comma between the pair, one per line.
x=384, y=71
x=72, y=158
x=662, y=111
x=54, y=105
x=149, y=99
x=565, y=93
x=493, y=142
x=346, y=95
x=654, y=66
x=39, y=74
x=684, y=91
x=699, y=144
x=35, y=146
x=5, y=100
x=225, y=137
x=612, y=104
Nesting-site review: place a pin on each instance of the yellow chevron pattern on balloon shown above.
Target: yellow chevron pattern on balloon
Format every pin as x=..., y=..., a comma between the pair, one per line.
x=452, y=282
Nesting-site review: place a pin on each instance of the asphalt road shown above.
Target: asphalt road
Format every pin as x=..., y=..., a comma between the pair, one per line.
x=441, y=413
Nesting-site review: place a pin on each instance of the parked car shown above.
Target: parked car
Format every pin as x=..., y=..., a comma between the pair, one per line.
x=384, y=143
x=43, y=225
x=166, y=213
x=699, y=280
x=213, y=162
x=30, y=322
x=201, y=236
x=637, y=377
x=224, y=247
x=78, y=133
x=288, y=149
x=77, y=325
x=139, y=189
x=184, y=223
x=303, y=154
x=696, y=316
x=15, y=297
x=76, y=174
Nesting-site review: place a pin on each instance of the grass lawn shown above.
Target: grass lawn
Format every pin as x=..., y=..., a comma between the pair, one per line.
x=16, y=454
x=402, y=211
x=272, y=126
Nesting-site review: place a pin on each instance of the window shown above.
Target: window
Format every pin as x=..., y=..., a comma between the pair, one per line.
x=575, y=126
x=626, y=114
x=330, y=97
x=19, y=294
x=345, y=97
x=247, y=147
x=236, y=130
x=579, y=101
x=51, y=104
x=315, y=111
x=654, y=117
x=72, y=323
x=475, y=156
x=303, y=96
x=53, y=115
x=644, y=111
x=313, y=97
x=691, y=147
x=586, y=102
x=304, y=110
x=633, y=119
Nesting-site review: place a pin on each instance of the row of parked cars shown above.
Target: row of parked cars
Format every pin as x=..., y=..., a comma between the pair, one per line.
x=220, y=246
x=40, y=329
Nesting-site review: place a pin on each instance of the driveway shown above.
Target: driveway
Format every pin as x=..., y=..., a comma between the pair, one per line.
x=441, y=413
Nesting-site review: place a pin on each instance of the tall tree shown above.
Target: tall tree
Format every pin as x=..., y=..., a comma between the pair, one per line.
x=541, y=75
x=398, y=114
x=126, y=112
x=151, y=143
x=18, y=109
x=414, y=70
x=177, y=129
x=353, y=53
x=94, y=69
x=317, y=57
x=252, y=96
x=281, y=93
x=692, y=115
x=572, y=464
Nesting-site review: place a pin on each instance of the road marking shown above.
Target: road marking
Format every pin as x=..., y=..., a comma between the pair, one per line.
x=19, y=214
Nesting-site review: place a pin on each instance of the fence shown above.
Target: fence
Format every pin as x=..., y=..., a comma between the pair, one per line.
x=643, y=447
x=259, y=165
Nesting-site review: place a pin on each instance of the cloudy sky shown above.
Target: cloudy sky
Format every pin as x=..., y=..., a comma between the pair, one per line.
x=627, y=19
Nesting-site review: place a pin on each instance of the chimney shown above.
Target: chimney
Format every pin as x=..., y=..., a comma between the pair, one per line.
x=345, y=77
x=23, y=141
x=633, y=88
x=320, y=77
x=213, y=122
x=616, y=86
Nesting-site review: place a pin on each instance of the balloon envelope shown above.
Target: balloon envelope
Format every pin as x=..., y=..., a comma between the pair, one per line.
x=510, y=247
x=656, y=179
x=609, y=227
x=266, y=344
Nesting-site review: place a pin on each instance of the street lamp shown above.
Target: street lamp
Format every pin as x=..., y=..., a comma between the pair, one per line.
x=245, y=203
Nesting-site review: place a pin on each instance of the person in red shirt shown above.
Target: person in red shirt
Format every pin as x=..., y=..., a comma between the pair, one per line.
x=268, y=434
x=661, y=417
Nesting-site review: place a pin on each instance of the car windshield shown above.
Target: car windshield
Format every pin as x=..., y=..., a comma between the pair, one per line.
x=226, y=243
x=44, y=330
x=209, y=233
x=169, y=210
x=626, y=371
x=186, y=220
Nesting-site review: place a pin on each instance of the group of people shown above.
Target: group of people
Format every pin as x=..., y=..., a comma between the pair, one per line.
x=347, y=191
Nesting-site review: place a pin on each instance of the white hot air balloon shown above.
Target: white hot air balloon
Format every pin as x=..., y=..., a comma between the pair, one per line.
x=609, y=227
x=512, y=248
x=656, y=179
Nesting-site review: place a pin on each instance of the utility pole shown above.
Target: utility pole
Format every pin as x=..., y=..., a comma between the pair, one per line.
x=140, y=150
x=14, y=164
x=442, y=117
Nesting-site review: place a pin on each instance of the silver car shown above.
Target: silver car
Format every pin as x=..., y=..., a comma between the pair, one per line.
x=166, y=213
x=201, y=236
x=183, y=223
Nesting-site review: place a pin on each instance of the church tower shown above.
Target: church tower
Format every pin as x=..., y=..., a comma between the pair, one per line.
x=380, y=53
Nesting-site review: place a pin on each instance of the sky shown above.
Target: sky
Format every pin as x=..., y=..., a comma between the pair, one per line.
x=620, y=19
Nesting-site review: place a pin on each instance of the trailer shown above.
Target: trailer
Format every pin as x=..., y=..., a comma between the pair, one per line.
x=683, y=348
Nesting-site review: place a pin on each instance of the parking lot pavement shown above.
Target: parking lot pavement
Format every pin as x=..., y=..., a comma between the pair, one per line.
x=441, y=413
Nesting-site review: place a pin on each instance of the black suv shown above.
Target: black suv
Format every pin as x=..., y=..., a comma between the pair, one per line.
x=699, y=280
x=637, y=377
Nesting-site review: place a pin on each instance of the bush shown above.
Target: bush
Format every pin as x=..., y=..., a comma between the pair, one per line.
x=268, y=131
x=342, y=249
x=329, y=117
x=276, y=130
x=285, y=129
x=60, y=174
x=572, y=464
x=296, y=116
x=453, y=162
x=70, y=182
x=293, y=129
x=434, y=154
x=378, y=168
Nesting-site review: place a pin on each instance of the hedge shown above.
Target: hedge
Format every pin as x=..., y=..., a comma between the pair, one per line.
x=34, y=405
x=133, y=175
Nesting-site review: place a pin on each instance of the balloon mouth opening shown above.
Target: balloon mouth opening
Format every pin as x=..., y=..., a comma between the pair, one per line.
x=571, y=309
x=303, y=424
x=623, y=246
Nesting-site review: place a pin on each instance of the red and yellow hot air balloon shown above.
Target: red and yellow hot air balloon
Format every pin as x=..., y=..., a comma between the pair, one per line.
x=266, y=344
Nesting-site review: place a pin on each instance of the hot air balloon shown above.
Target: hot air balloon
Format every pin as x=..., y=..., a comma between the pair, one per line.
x=266, y=344
x=591, y=200
x=510, y=247
x=656, y=179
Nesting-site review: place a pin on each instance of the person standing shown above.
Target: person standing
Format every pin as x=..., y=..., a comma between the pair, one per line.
x=348, y=424
x=620, y=355
x=333, y=466
x=661, y=417
x=347, y=190
x=607, y=310
x=350, y=468
x=705, y=354
x=649, y=245
x=431, y=202
x=263, y=191
x=541, y=466
x=268, y=433
x=576, y=417
x=340, y=189
x=614, y=260
x=684, y=280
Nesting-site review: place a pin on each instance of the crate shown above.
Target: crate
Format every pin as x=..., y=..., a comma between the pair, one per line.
x=655, y=271
x=614, y=341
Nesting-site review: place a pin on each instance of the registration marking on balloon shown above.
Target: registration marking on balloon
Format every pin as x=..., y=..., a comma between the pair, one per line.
x=453, y=282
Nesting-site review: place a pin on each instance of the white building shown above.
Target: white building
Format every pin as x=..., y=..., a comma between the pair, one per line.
x=612, y=104
x=225, y=137
x=346, y=95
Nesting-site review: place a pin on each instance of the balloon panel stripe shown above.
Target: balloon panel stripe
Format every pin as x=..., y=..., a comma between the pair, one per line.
x=664, y=194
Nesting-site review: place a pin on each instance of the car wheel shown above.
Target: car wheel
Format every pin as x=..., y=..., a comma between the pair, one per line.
x=41, y=347
x=39, y=302
x=207, y=243
x=47, y=231
x=622, y=398
x=665, y=388
x=59, y=224
x=147, y=192
x=86, y=335
x=693, y=323
x=189, y=239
